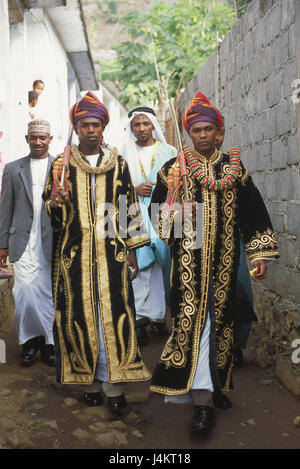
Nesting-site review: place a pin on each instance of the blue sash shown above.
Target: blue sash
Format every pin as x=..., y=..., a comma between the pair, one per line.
x=158, y=250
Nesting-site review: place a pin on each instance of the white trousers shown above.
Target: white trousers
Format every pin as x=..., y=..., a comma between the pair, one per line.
x=101, y=369
x=202, y=378
x=149, y=294
x=101, y=374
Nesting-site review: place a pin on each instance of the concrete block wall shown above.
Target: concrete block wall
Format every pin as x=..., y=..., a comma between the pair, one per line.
x=249, y=77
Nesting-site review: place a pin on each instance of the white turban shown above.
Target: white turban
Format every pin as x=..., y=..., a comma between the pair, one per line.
x=129, y=150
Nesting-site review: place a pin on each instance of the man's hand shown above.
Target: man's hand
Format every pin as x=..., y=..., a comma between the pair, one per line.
x=261, y=269
x=144, y=189
x=59, y=198
x=3, y=258
x=132, y=262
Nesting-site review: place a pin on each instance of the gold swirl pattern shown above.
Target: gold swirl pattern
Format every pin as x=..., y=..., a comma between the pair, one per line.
x=48, y=185
x=127, y=356
x=225, y=341
x=209, y=233
x=226, y=168
x=244, y=179
x=165, y=225
x=121, y=257
x=176, y=355
x=77, y=356
x=68, y=262
x=226, y=258
x=163, y=176
x=261, y=241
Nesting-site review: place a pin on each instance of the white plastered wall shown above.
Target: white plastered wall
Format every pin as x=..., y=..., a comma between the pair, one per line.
x=31, y=50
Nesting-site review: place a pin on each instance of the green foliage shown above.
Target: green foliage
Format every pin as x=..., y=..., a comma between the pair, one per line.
x=99, y=4
x=241, y=6
x=110, y=70
x=112, y=16
x=180, y=36
x=134, y=95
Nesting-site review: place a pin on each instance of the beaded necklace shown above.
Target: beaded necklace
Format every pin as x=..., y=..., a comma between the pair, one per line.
x=211, y=183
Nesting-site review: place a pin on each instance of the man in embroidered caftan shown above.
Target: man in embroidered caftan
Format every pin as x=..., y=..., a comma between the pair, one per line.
x=146, y=151
x=25, y=235
x=197, y=359
x=245, y=313
x=95, y=222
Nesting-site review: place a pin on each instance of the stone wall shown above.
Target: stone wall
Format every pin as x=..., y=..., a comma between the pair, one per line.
x=250, y=77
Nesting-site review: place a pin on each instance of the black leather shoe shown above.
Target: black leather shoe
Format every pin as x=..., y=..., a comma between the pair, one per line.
x=48, y=354
x=29, y=351
x=141, y=335
x=117, y=403
x=204, y=418
x=93, y=399
x=160, y=329
x=221, y=401
x=238, y=358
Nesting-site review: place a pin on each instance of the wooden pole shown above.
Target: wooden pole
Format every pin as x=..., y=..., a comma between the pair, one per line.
x=66, y=157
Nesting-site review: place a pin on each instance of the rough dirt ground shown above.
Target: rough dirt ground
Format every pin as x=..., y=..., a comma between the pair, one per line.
x=36, y=413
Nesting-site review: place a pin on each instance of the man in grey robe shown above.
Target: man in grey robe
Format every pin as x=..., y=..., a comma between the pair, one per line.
x=26, y=236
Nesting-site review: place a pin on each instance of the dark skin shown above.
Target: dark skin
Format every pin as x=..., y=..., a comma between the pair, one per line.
x=259, y=264
x=33, y=103
x=89, y=131
x=206, y=138
x=39, y=149
x=142, y=128
x=39, y=88
x=203, y=136
x=39, y=144
x=220, y=138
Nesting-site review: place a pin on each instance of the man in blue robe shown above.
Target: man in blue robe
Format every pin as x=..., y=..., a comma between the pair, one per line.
x=146, y=151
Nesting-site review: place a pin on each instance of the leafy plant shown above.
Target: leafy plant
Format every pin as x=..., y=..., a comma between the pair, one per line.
x=169, y=42
x=110, y=70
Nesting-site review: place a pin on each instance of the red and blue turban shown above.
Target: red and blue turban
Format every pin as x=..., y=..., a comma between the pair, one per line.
x=200, y=110
x=89, y=106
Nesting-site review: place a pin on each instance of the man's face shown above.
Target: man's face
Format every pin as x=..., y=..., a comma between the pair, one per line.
x=89, y=131
x=39, y=88
x=38, y=143
x=220, y=138
x=203, y=135
x=33, y=103
x=142, y=128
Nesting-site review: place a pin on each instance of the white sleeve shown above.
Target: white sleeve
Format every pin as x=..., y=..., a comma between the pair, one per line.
x=267, y=259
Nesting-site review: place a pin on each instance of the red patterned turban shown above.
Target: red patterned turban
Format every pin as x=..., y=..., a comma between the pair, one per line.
x=89, y=106
x=200, y=110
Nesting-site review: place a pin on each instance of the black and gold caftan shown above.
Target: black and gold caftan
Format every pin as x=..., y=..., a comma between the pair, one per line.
x=203, y=280
x=90, y=270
